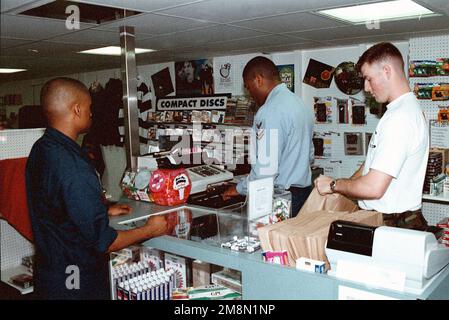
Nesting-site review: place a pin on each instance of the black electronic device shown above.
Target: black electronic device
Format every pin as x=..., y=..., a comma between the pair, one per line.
x=213, y=197
x=318, y=144
x=204, y=227
x=351, y=237
x=321, y=112
x=358, y=114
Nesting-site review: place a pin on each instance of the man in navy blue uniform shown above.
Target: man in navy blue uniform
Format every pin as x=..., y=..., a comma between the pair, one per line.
x=69, y=219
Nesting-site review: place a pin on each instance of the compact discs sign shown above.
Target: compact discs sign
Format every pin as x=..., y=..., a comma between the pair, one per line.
x=216, y=102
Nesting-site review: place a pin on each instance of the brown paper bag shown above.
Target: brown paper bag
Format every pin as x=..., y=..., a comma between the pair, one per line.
x=306, y=234
x=334, y=202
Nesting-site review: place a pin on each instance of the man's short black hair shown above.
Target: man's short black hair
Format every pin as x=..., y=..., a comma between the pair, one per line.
x=263, y=66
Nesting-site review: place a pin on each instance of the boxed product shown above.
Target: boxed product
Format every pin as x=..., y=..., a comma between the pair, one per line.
x=229, y=279
x=445, y=153
x=213, y=292
x=154, y=257
x=310, y=265
x=201, y=272
x=178, y=265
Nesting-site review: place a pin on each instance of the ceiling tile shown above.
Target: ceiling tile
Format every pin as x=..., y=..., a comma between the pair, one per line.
x=384, y=28
x=6, y=43
x=228, y=11
x=96, y=37
x=19, y=5
x=154, y=24
x=440, y=6
x=290, y=22
x=140, y=5
x=33, y=28
x=199, y=37
x=256, y=42
x=45, y=49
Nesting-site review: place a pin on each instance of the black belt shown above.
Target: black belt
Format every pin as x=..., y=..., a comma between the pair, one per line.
x=297, y=188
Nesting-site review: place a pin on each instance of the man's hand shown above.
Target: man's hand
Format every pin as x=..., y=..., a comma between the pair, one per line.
x=119, y=209
x=157, y=226
x=230, y=192
x=322, y=184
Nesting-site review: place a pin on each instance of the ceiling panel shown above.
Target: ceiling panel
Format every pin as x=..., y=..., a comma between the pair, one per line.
x=90, y=37
x=183, y=29
x=236, y=10
x=6, y=43
x=290, y=22
x=441, y=6
x=21, y=5
x=34, y=28
x=199, y=37
x=155, y=24
x=45, y=49
x=256, y=42
x=142, y=5
x=357, y=31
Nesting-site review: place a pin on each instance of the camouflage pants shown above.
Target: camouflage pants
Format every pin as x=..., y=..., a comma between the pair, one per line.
x=408, y=220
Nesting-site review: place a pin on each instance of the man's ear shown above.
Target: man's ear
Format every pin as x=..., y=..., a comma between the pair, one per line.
x=259, y=80
x=387, y=69
x=76, y=107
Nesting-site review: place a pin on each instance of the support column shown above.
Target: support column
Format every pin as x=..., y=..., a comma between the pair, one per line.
x=131, y=111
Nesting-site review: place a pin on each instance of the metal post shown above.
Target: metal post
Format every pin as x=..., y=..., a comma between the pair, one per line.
x=131, y=111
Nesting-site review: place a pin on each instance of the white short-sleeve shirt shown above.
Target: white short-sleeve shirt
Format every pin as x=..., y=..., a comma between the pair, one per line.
x=399, y=147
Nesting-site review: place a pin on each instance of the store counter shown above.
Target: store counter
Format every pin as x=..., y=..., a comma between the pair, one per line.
x=262, y=280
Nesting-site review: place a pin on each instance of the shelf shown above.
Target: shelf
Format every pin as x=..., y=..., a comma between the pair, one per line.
x=439, y=198
x=8, y=273
x=200, y=123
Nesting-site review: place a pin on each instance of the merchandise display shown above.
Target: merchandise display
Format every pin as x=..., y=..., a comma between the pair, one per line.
x=422, y=68
x=348, y=79
x=186, y=109
x=276, y=257
x=318, y=74
x=246, y=244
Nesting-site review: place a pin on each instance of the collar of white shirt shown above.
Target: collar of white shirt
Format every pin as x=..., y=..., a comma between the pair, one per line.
x=397, y=102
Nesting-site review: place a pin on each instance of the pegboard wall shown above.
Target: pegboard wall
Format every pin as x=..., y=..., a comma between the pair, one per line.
x=15, y=144
x=431, y=48
x=334, y=160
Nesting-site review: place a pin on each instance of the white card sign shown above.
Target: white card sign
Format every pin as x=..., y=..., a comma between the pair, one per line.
x=260, y=197
x=439, y=134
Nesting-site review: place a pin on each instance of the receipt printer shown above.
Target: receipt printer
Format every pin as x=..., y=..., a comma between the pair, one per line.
x=417, y=253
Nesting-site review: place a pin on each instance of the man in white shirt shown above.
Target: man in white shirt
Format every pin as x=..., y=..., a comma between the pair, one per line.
x=391, y=179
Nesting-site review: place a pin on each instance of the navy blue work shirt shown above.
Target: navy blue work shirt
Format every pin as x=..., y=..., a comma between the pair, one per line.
x=69, y=220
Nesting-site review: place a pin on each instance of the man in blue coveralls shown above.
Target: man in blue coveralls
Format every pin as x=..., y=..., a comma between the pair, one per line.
x=69, y=218
x=283, y=128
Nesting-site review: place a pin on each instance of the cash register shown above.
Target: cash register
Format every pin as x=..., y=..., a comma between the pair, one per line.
x=415, y=253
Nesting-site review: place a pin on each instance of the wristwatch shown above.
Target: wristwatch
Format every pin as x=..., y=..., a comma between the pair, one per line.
x=332, y=185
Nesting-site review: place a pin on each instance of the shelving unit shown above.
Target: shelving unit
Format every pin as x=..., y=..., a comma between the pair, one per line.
x=440, y=198
x=261, y=280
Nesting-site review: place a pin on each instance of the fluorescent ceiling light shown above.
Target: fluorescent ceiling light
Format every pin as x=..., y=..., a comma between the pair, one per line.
x=8, y=70
x=112, y=51
x=390, y=10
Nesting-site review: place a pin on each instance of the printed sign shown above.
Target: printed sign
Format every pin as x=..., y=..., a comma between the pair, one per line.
x=287, y=74
x=216, y=102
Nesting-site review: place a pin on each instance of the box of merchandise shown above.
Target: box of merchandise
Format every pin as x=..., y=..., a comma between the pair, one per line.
x=154, y=257
x=213, y=292
x=179, y=266
x=445, y=153
x=200, y=273
x=231, y=280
